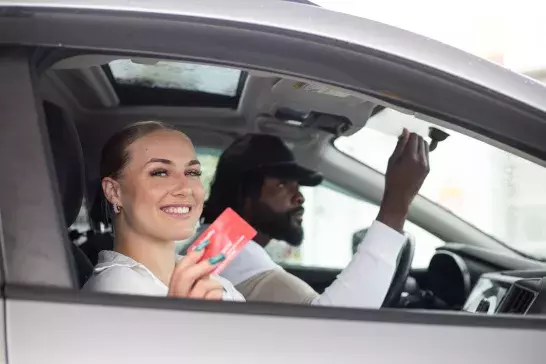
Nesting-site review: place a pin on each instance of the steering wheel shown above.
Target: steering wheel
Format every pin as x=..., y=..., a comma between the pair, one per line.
x=403, y=267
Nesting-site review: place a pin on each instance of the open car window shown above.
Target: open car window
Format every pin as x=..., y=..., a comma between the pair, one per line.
x=328, y=239
x=499, y=193
x=329, y=242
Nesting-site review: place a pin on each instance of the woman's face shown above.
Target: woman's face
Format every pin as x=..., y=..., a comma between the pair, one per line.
x=160, y=191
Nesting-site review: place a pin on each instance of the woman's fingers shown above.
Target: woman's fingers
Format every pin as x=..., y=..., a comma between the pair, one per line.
x=190, y=259
x=178, y=273
x=183, y=281
x=185, y=277
x=215, y=295
x=207, y=289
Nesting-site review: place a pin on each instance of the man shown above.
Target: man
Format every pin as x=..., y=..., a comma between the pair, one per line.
x=258, y=177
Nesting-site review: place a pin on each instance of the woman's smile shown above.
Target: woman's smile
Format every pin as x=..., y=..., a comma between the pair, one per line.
x=178, y=211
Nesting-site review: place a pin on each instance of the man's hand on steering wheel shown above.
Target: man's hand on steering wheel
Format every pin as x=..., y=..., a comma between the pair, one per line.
x=407, y=169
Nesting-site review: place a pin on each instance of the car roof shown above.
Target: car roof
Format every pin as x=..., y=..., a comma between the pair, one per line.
x=316, y=21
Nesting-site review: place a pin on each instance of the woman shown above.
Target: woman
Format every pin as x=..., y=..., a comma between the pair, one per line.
x=150, y=177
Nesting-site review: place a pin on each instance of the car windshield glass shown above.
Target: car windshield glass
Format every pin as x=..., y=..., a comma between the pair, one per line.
x=497, y=192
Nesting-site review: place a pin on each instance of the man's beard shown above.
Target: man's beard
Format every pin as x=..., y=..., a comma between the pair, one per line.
x=277, y=225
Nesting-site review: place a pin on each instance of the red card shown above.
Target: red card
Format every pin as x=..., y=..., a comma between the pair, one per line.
x=228, y=234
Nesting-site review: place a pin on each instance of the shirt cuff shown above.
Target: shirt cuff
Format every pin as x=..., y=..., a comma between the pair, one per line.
x=383, y=242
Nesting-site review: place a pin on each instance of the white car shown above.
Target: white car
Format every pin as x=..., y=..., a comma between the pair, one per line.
x=338, y=89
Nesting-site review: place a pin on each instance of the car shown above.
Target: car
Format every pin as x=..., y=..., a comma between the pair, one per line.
x=337, y=89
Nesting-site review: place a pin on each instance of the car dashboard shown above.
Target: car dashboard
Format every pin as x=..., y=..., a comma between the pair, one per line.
x=479, y=281
x=511, y=292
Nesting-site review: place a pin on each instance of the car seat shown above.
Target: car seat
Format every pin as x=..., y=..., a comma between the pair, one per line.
x=69, y=167
x=96, y=242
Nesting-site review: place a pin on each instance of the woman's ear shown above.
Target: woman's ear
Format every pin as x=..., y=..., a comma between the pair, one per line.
x=112, y=191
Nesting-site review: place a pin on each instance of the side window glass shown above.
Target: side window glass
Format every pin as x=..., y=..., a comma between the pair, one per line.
x=425, y=245
x=209, y=160
x=499, y=193
x=80, y=227
x=331, y=218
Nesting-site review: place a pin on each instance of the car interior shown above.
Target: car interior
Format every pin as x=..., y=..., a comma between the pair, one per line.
x=87, y=97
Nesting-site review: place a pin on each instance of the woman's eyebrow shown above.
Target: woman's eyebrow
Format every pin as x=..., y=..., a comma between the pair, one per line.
x=159, y=160
x=168, y=161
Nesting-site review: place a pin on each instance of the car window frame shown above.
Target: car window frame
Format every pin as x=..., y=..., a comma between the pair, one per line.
x=36, y=249
x=50, y=278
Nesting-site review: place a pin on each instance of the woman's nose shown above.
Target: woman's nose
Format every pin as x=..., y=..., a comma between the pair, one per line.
x=182, y=187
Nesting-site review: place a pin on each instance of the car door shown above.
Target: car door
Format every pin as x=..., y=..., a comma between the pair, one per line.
x=47, y=319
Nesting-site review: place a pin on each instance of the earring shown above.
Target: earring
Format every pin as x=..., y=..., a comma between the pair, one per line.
x=117, y=209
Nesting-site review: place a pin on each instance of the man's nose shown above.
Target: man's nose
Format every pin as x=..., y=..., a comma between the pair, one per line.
x=298, y=198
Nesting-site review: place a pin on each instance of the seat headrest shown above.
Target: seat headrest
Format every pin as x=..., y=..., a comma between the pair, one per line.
x=68, y=159
x=97, y=212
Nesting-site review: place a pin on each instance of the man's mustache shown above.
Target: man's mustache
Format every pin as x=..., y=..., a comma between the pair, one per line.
x=298, y=210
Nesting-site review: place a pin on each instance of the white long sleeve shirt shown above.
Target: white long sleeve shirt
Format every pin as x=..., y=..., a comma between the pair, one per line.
x=117, y=273
x=364, y=283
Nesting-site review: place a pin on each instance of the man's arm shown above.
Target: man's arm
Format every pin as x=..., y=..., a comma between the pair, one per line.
x=277, y=285
x=407, y=169
x=365, y=281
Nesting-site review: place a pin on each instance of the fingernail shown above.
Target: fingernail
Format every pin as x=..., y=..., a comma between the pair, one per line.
x=217, y=259
x=202, y=245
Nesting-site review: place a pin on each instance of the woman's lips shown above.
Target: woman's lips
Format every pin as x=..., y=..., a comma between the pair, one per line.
x=179, y=211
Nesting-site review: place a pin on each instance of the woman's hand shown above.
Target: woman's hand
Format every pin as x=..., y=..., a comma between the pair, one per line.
x=191, y=279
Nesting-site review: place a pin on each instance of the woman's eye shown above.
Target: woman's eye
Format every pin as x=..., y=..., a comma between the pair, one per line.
x=194, y=173
x=159, y=173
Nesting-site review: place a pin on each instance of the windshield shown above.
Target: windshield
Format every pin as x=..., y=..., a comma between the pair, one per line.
x=497, y=192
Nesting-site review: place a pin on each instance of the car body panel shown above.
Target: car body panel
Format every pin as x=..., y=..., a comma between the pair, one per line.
x=199, y=332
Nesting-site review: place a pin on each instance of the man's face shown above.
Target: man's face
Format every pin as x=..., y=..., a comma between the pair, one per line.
x=279, y=210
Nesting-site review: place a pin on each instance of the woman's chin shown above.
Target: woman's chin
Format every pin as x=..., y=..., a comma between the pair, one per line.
x=171, y=230
x=182, y=234
x=160, y=231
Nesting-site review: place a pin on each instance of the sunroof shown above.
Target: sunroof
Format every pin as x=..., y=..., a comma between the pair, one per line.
x=175, y=83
